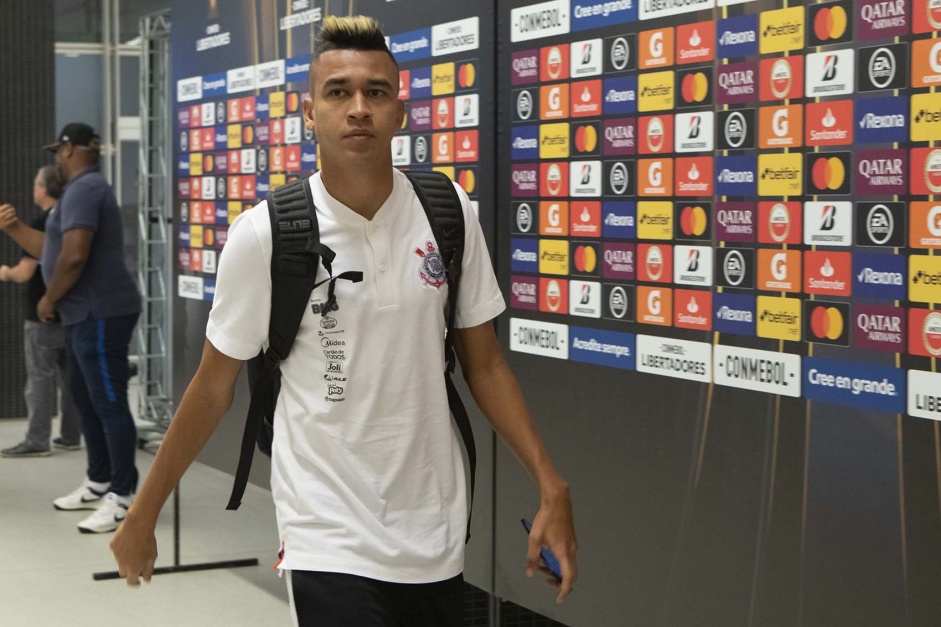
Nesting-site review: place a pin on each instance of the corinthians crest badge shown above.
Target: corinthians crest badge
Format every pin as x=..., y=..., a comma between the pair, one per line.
x=432, y=266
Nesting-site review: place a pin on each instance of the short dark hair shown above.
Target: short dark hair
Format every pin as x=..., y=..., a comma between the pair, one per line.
x=355, y=32
x=49, y=180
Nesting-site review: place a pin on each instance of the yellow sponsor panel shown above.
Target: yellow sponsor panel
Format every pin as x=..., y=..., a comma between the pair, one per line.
x=780, y=174
x=234, y=135
x=554, y=141
x=276, y=107
x=447, y=170
x=924, y=279
x=926, y=117
x=196, y=236
x=234, y=210
x=655, y=91
x=196, y=164
x=276, y=180
x=779, y=318
x=655, y=220
x=781, y=30
x=553, y=256
x=442, y=79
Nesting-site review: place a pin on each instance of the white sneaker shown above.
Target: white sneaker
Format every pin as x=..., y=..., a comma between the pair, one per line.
x=108, y=516
x=83, y=497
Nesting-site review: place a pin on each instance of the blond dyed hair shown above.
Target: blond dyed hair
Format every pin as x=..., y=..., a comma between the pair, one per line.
x=355, y=32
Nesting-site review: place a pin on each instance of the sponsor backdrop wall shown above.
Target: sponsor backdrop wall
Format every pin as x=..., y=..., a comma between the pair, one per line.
x=718, y=229
x=240, y=78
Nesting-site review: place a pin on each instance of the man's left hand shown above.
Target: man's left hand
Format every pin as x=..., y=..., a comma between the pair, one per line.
x=554, y=528
x=7, y=217
x=46, y=310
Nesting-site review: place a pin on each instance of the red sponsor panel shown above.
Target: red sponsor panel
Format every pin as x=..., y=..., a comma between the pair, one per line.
x=442, y=150
x=196, y=188
x=554, y=218
x=926, y=16
x=586, y=218
x=586, y=98
x=924, y=332
x=780, y=222
x=655, y=177
x=208, y=141
x=442, y=113
x=554, y=63
x=655, y=263
x=405, y=78
x=276, y=131
x=207, y=212
x=276, y=159
x=234, y=110
x=196, y=115
x=695, y=43
x=196, y=141
x=654, y=305
x=693, y=176
x=554, y=179
x=554, y=295
x=196, y=212
x=292, y=158
x=234, y=163
x=656, y=134
x=196, y=260
x=235, y=187
x=828, y=273
x=925, y=173
x=655, y=48
x=692, y=309
x=828, y=123
x=779, y=270
x=248, y=187
x=247, y=106
x=781, y=78
x=466, y=146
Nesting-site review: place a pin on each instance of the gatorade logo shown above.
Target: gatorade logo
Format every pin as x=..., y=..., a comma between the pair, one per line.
x=780, y=127
x=926, y=225
x=554, y=218
x=656, y=48
x=926, y=63
x=779, y=270
x=655, y=305
x=656, y=177
x=554, y=102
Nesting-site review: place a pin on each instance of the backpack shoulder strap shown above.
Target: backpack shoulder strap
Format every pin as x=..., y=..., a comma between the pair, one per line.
x=445, y=213
x=295, y=255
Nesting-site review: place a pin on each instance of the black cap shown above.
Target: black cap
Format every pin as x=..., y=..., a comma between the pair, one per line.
x=76, y=133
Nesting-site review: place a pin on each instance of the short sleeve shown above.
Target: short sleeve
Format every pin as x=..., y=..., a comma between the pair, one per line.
x=479, y=297
x=38, y=223
x=238, y=321
x=81, y=206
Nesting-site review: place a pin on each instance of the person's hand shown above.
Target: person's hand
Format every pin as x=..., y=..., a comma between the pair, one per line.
x=4, y=273
x=46, y=310
x=135, y=550
x=7, y=217
x=554, y=528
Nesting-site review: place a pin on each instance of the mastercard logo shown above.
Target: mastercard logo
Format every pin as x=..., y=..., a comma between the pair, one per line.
x=826, y=323
x=467, y=181
x=248, y=134
x=208, y=163
x=830, y=23
x=693, y=220
x=466, y=75
x=829, y=173
x=695, y=87
x=209, y=238
x=294, y=102
x=586, y=259
x=933, y=171
x=586, y=139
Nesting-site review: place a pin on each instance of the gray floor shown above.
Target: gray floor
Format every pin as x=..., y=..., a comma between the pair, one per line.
x=46, y=565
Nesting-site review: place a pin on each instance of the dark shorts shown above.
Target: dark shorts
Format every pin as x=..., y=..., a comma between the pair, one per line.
x=338, y=600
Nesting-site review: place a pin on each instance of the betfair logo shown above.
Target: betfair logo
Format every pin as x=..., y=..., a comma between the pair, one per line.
x=926, y=278
x=928, y=116
x=782, y=30
x=780, y=174
x=653, y=92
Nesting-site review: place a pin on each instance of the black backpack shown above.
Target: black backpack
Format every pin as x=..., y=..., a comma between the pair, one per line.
x=295, y=256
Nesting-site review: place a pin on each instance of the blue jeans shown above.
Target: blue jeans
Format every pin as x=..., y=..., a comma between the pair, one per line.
x=98, y=374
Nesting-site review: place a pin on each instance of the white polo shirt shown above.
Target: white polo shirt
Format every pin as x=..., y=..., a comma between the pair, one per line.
x=367, y=473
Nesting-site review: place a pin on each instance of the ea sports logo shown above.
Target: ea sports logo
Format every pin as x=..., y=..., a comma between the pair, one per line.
x=932, y=172
x=779, y=223
x=524, y=105
x=880, y=224
x=735, y=130
x=586, y=259
x=554, y=63
x=554, y=179
x=654, y=263
x=826, y=323
x=656, y=134
x=693, y=221
x=524, y=218
x=618, y=178
x=829, y=173
x=931, y=333
x=620, y=54
x=421, y=149
x=882, y=68
x=695, y=87
x=734, y=268
x=830, y=23
x=781, y=78
x=618, y=302
x=586, y=138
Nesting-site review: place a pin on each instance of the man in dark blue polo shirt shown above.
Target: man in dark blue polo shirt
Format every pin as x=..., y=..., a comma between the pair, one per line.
x=88, y=285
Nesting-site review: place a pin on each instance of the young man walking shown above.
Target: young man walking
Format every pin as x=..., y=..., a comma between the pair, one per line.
x=367, y=477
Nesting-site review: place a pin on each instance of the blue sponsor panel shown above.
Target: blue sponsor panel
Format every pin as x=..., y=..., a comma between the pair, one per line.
x=604, y=348
x=308, y=157
x=296, y=69
x=525, y=255
x=184, y=236
x=619, y=220
x=214, y=85
x=586, y=14
x=222, y=212
x=183, y=165
x=420, y=83
x=222, y=139
x=209, y=289
x=881, y=120
x=262, y=185
x=410, y=46
x=737, y=37
x=620, y=95
x=855, y=383
x=880, y=277
x=262, y=107
x=525, y=142
x=737, y=175
x=733, y=313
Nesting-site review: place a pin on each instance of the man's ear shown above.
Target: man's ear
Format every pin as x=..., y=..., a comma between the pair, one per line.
x=400, y=114
x=309, y=117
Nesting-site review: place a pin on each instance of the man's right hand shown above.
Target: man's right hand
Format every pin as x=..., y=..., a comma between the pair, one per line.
x=4, y=273
x=135, y=550
x=7, y=217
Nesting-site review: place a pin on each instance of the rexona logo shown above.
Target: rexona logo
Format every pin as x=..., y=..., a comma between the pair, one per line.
x=829, y=123
x=553, y=218
x=692, y=220
x=735, y=267
x=781, y=30
x=829, y=173
x=656, y=91
x=926, y=16
x=879, y=19
x=620, y=95
x=830, y=23
x=738, y=37
x=553, y=257
x=654, y=305
x=619, y=220
x=926, y=225
x=879, y=276
x=827, y=323
x=692, y=265
x=882, y=67
x=881, y=172
x=779, y=318
x=879, y=328
x=539, y=338
x=926, y=117
x=780, y=127
x=655, y=220
x=882, y=120
x=780, y=174
x=554, y=295
x=828, y=223
x=525, y=255
x=736, y=222
x=554, y=63
x=693, y=176
x=695, y=43
x=926, y=171
x=779, y=270
x=924, y=279
x=618, y=302
x=656, y=134
x=656, y=263
x=828, y=273
x=733, y=313
x=525, y=142
x=881, y=224
x=926, y=63
x=924, y=332
x=736, y=130
x=735, y=176
x=737, y=83
x=781, y=78
x=692, y=310
x=830, y=73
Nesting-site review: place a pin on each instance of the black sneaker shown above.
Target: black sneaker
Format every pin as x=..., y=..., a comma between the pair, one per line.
x=60, y=443
x=24, y=449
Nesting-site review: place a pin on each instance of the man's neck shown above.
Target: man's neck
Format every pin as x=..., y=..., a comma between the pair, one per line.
x=48, y=204
x=363, y=190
